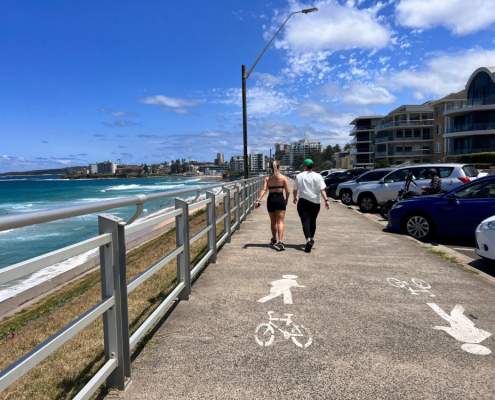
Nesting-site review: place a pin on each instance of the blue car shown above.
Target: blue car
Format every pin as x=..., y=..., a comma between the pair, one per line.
x=453, y=214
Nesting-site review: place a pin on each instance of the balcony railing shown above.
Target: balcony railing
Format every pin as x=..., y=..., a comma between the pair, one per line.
x=111, y=241
x=474, y=126
x=467, y=150
x=468, y=104
x=415, y=123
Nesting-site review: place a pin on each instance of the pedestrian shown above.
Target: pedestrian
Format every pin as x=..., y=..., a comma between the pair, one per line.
x=309, y=186
x=276, y=185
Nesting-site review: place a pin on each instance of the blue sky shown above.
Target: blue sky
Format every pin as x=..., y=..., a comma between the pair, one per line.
x=154, y=80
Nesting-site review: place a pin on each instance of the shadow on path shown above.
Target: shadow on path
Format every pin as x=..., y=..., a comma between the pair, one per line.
x=299, y=247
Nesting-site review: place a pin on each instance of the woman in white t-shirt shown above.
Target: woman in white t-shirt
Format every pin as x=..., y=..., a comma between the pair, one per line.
x=309, y=185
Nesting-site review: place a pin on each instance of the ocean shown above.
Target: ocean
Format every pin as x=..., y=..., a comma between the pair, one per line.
x=24, y=194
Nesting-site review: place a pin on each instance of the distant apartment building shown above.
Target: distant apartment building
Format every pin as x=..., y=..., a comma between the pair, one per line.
x=343, y=160
x=362, y=147
x=282, y=151
x=103, y=168
x=220, y=159
x=405, y=135
x=303, y=149
x=470, y=125
x=107, y=168
x=257, y=163
x=440, y=108
x=237, y=164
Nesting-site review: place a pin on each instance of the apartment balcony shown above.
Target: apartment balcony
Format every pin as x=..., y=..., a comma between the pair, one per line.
x=467, y=150
x=410, y=153
x=471, y=129
x=406, y=124
x=459, y=109
x=402, y=140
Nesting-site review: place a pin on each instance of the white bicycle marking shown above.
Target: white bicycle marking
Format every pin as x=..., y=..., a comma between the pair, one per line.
x=282, y=287
x=299, y=334
x=416, y=287
x=463, y=329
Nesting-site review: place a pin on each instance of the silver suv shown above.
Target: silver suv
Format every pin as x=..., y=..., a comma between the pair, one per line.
x=371, y=195
x=345, y=189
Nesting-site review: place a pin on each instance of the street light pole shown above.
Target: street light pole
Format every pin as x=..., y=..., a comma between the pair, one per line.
x=245, y=76
x=244, y=122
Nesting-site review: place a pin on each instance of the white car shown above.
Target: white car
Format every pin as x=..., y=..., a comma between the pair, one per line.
x=327, y=172
x=485, y=238
x=345, y=189
x=371, y=195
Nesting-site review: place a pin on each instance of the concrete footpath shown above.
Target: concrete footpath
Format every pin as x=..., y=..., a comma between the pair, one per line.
x=374, y=316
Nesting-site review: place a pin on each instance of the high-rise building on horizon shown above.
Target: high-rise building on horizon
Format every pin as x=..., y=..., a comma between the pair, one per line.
x=257, y=163
x=220, y=159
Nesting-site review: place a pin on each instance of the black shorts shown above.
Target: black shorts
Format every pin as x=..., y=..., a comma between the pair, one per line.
x=276, y=202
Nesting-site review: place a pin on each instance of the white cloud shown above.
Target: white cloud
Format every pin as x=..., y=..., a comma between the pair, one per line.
x=261, y=100
x=332, y=121
x=367, y=94
x=311, y=39
x=177, y=105
x=459, y=16
x=334, y=27
x=442, y=74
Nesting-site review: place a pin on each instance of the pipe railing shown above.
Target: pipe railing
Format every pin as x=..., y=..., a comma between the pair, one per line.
x=111, y=241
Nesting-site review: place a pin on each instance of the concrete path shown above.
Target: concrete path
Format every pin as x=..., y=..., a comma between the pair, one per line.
x=355, y=334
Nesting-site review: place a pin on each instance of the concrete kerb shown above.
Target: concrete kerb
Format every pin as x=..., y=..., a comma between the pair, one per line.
x=448, y=254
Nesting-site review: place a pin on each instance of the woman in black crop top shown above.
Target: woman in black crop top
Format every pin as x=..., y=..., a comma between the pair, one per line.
x=276, y=185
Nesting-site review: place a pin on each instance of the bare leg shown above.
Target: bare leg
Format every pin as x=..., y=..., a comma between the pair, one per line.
x=273, y=225
x=281, y=225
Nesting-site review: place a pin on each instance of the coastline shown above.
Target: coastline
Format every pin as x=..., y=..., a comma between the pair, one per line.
x=32, y=288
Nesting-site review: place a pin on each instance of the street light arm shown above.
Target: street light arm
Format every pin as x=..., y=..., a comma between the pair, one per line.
x=270, y=42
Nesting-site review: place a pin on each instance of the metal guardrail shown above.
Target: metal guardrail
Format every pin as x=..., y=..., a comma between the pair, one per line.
x=111, y=241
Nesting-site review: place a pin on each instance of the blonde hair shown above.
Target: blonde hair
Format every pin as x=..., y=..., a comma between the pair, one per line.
x=275, y=166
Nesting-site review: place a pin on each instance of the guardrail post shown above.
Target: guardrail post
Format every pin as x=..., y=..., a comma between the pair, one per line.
x=244, y=200
x=226, y=210
x=237, y=203
x=182, y=239
x=212, y=221
x=114, y=283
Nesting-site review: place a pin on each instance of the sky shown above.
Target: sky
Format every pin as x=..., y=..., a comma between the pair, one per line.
x=155, y=80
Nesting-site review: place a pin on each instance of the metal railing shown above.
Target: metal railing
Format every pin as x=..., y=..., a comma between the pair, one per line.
x=111, y=241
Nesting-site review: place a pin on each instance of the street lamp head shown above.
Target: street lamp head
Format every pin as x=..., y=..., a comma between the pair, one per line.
x=309, y=10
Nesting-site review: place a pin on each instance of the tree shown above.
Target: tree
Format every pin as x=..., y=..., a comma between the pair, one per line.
x=347, y=147
x=336, y=148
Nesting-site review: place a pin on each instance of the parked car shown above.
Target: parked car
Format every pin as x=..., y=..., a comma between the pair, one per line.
x=485, y=238
x=333, y=180
x=456, y=213
x=344, y=190
x=327, y=172
x=371, y=195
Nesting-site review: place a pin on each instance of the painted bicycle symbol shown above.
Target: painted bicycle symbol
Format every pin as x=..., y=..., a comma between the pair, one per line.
x=265, y=332
x=415, y=287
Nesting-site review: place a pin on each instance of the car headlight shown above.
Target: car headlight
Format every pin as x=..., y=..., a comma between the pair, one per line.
x=397, y=205
x=488, y=226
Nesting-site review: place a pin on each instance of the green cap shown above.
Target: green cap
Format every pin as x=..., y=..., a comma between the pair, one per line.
x=308, y=162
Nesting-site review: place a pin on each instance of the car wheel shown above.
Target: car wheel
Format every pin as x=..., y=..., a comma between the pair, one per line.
x=346, y=197
x=367, y=203
x=419, y=227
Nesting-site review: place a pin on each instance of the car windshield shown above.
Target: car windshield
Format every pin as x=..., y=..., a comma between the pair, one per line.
x=372, y=176
x=478, y=190
x=470, y=171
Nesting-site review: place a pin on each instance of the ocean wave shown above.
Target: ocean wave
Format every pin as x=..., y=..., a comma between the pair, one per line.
x=7, y=231
x=13, y=180
x=45, y=274
x=136, y=187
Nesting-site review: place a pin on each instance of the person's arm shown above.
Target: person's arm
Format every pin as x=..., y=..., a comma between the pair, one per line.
x=286, y=189
x=262, y=193
x=294, y=192
x=323, y=193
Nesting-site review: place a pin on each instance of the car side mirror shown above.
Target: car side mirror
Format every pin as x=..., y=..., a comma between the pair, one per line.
x=451, y=197
x=381, y=181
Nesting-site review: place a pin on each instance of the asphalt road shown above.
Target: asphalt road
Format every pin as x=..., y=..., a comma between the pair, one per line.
x=375, y=316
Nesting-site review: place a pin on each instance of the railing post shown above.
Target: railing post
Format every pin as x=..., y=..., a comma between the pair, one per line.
x=182, y=239
x=212, y=221
x=114, y=283
x=237, y=203
x=244, y=200
x=226, y=210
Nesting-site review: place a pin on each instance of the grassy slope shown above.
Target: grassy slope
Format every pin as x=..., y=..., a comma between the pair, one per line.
x=64, y=373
